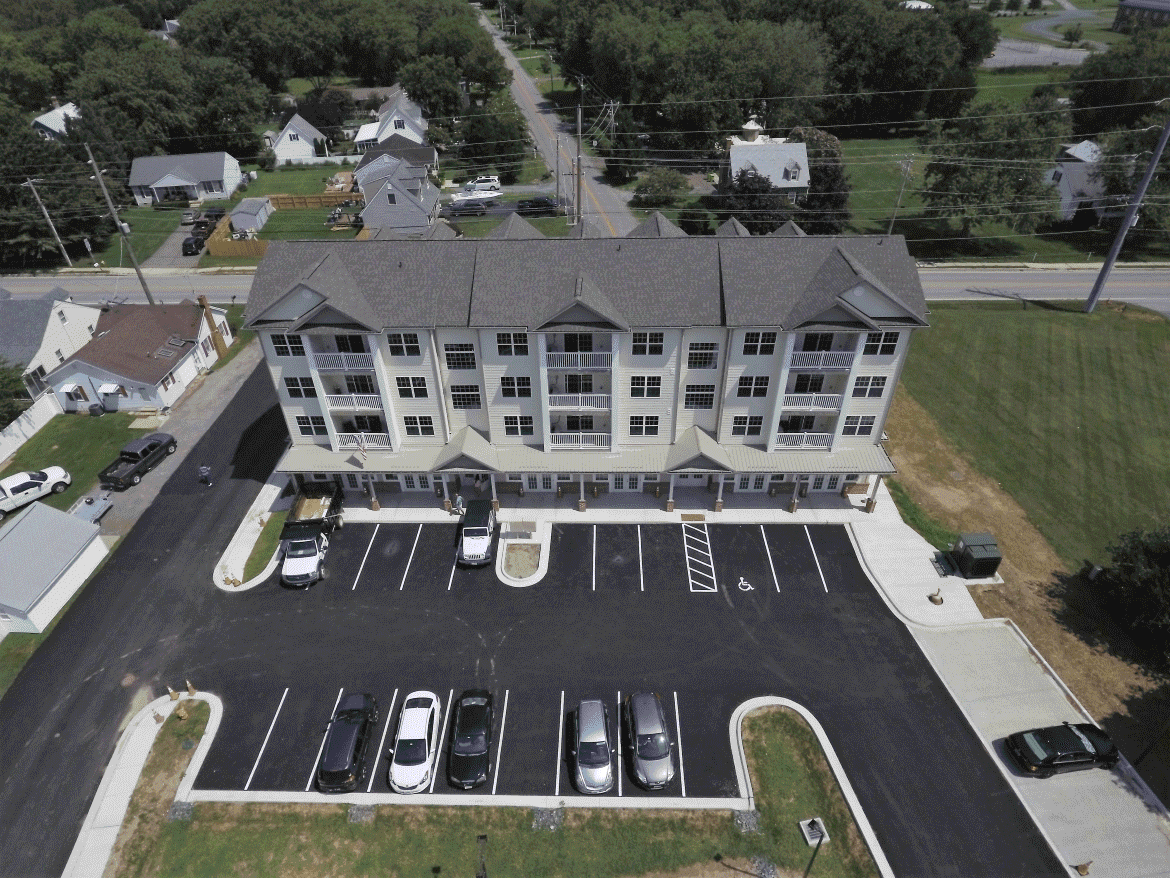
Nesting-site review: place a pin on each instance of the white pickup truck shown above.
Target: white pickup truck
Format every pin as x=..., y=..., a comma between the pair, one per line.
x=315, y=512
x=20, y=489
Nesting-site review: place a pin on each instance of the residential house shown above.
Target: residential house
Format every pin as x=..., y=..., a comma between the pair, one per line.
x=296, y=144
x=679, y=365
x=1075, y=179
x=193, y=177
x=398, y=115
x=783, y=162
x=53, y=124
x=142, y=356
x=421, y=155
x=1132, y=14
x=40, y=334
x=398, y=196
x=251, y=214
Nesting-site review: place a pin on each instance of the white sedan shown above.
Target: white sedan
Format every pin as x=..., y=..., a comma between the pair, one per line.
x=20, y=489
x=416, y=744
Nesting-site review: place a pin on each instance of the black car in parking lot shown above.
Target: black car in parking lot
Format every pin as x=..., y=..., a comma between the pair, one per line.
x=1057, y=749
x=192, y=246
x=539, y=206
x=471, y=740
x=466, y=207
x=343, y=757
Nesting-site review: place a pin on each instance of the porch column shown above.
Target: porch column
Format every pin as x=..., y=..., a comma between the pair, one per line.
x=871, y=496
x=581, y=497
x=719, y=495
x=670, y=495
x=495, y=499
x=374, y=504
x=446, y=496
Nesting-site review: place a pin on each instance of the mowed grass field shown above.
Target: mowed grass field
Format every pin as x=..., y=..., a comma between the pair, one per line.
x=1069, y=412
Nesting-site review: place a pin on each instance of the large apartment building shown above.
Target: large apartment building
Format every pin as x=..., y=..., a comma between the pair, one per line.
x=727, y=364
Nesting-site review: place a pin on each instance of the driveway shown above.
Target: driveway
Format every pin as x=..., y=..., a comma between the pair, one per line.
x=170, y=253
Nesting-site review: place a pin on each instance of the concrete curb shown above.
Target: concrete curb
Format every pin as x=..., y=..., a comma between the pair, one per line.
x=543, y=539
x=235, y=556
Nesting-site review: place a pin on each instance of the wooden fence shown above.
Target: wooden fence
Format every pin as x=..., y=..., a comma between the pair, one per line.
x=220, y=243
x=327, y=200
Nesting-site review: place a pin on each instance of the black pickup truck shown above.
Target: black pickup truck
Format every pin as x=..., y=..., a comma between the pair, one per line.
x=137, y=458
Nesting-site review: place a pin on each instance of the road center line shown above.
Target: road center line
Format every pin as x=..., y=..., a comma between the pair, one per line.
x=560, y=742
x=500, y=743
x=382, y=743
x=418, y=534
x=768, y=552
x=365, y=556
x=312, y=774
x=682, y=775
x=816, y=560
x=271, y=726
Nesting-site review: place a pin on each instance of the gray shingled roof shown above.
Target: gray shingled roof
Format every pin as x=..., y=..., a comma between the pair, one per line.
x=589, y=227
x=22, y=326
x=401, y=148
x=516, y=228
x=733, y=228
x=657, y=226
x=701, y=281
x=195, y=167
x=788, y=230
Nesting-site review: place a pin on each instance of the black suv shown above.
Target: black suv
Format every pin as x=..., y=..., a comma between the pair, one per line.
x=343, y=758
x=193, y=245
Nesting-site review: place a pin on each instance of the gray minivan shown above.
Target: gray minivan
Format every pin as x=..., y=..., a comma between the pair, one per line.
x=590, y=748
x=650, y=744
x=475, y=533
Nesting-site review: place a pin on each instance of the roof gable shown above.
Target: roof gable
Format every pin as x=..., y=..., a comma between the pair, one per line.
x=588, y=308
x=467, y=450
x=657, y=226
x=695, y=450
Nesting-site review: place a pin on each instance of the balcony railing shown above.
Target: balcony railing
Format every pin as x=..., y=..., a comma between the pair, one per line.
x=579, y=401
x=354, y=401
x=593, y=360
x=563, y=441
x=815, y=441
x=364, y=362
x=821, y=360
x=363, y=440
x=821, y=402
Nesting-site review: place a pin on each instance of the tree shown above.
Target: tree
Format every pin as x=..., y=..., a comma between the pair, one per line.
x=756, y=203
x=1013, y=5
x=497, y=138
x=660, y=186
x=484, y=67
x=432, y=82
x=227, y=101
x=378, y=39
x=13, y=394
x=990, y=164
x=1035, y=5
x=1116, y=89
x=825, y=209
x=623, y=152
x=1124, y=158
x=994, y=5
x=1073, y=34
x=1137, y=586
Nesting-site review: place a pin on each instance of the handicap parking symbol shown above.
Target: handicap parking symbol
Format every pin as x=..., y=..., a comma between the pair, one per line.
x=744, y=585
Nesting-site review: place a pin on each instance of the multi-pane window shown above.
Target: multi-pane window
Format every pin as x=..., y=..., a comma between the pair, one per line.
x=798, y=424
x=515, y=387
x=647, y=344
x=579, y=342
x=351, y=344
x=403, y=344
x=644, y=425
x=311, y=425
x=749, y=425
x=646, y=386
x=750, y=385
x=512, y=344
x=759, y=344
x=288, y=345
x=702, y=355
x=869, y=385
x=699, y=396
x=817, y=341
x=368, y=423
x=64, y=320
x=517, y=425
x=465, y=396
x=460, y=356
x=808, y=383
x=360, y=384
x=412, y=387
x=881, y=343
x=579, y=423
x=299, y=388
x=578, y=384
x=419, y=426
x=858, y=425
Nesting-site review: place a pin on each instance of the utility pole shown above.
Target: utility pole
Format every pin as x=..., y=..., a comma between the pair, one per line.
x=1135, y=204
x=578, y=162
x=907, y=166
x=117, y=222
x=558, y=174
x=29, y=181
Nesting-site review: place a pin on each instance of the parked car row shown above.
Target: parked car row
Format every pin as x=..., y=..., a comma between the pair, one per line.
x=649, y=750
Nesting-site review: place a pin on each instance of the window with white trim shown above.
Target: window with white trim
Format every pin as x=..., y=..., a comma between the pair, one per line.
x=403, y=344
x=648, y=386
x=518, y=425
x=702, y=355
x=512, y=344
x=288, y=345
x=699, y=396
x=399, y=124
x=300, y=388
x=858, y=425
x=643, y=425
x=869, y=386
x=750, y=385
x=420, y=425
x=747, y=425
x=360, y=384
x=881, y=343
x=516, y=387
x=578, y=384
x=411, y=386
x=460, y=356
x=311, y=425
x=808, y=383
x=817, y=341
x=579, y=423
x=350, y=344
x=647, y=344
x=64, y=320
x=759, y=344
x=168, y=380
x=465, y=396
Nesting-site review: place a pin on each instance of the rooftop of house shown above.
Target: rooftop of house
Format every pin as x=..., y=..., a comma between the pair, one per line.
x=196, y=167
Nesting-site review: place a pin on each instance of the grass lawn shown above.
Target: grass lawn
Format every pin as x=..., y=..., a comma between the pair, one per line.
x=266, y=545
x=148, y=229
x=1072, y=417
x=235, y=318
x=1012, y=26
x=292, y=181
x=790, y=777
x=1016, y=84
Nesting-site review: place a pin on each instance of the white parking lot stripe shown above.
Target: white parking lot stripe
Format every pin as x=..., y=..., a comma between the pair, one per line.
x=271, y=726
x=594, y=588
x=451, y=579
x=815, y=559
x=402, y=584
x=442, y=738
x=382, y=743
x=641, y=572
x=500, y=743
x=618, y=725
x=768, y=553
x=560, y=741
x=309, y=785
x=364, y=557
x=682, y=774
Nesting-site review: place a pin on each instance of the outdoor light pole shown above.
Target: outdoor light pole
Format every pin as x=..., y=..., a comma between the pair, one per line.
x=29, y=181
x=117, y=222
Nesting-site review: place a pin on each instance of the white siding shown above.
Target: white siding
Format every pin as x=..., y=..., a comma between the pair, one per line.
x=460, y=418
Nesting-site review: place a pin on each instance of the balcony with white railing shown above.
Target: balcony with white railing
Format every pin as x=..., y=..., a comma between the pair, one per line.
x=359, y=362
x=810, y=441
x=818, y=402
x=823, y=360
x=577, y=441
x=354, y=401
x=363, y=440
x=576, y=401
x=594, y=360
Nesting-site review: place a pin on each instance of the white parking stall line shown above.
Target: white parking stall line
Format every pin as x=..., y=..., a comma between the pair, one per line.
x=382, y=743
x=560, y=742
x=594, y=588
x=768, y=552
x=418, y=534
x=618, y=724
x=442, y=739
x=365, y=556
x=682, y=773
x=641, y=571
x=451, y=579
x=816, y=560
x=312, y=774
x=271, y=726
x=500, y=744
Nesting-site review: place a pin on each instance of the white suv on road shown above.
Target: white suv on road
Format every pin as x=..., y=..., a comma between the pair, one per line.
x=483, y=184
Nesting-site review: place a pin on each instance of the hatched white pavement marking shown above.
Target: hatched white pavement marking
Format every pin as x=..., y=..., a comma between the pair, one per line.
x=271, y=726
x=700, y=567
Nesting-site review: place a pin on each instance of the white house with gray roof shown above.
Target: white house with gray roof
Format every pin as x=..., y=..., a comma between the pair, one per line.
x=54, y=124
x=296, y=143
x=203, y=176
x=749, y=364
x=398, y=195
x=398, y=115
x=783, y=162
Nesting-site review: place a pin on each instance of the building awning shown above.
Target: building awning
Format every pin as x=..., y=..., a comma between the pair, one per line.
x=110, y=388
x=69, y=388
